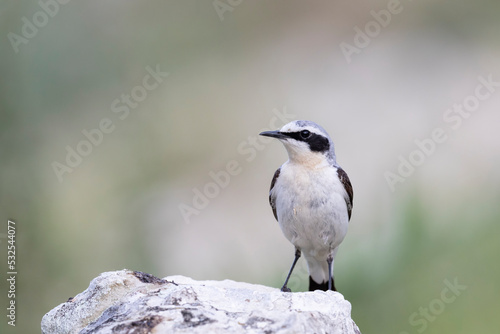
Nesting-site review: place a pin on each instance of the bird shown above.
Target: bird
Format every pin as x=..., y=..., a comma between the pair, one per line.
x=311, y=197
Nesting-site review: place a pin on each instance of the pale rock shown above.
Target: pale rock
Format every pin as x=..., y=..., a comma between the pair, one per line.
x=134, y=302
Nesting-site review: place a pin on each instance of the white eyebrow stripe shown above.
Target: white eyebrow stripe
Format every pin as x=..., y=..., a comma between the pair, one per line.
x=295, y=128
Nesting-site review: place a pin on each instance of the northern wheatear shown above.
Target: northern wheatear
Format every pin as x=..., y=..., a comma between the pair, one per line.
x=311, y=197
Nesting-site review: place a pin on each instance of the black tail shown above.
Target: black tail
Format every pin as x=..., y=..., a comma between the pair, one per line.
x=320, y=286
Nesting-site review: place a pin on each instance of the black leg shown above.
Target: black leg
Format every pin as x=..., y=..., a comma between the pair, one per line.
x=284, y=288
x=329, y=259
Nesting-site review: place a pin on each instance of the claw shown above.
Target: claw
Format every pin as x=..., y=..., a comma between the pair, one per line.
x=285, y=289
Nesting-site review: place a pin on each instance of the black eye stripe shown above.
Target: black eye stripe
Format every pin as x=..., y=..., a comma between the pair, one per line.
x=316, y=142
x=294, y=135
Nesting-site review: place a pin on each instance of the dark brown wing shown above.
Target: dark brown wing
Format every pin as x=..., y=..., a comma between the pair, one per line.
x=272, y=200
x=348, y=188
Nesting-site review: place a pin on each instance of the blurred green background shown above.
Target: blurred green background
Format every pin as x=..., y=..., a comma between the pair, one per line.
x=234, y=67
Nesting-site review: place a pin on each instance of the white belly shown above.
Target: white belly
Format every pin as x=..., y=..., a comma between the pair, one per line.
x=311, y=209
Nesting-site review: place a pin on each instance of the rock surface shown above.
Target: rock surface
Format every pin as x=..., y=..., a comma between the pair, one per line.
x=134, y=302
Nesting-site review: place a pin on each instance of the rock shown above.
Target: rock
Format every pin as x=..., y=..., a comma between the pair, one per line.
x=134, y=302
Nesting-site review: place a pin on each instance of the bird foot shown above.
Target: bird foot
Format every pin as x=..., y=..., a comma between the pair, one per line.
x=285, y=289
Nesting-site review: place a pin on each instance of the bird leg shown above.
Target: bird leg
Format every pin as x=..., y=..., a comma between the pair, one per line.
x=284, y=288
x=331, y=284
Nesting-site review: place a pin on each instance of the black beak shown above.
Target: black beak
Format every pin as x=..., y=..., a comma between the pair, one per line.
x=274, y=134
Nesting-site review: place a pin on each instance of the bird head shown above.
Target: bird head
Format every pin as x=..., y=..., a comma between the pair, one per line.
x=306, y=142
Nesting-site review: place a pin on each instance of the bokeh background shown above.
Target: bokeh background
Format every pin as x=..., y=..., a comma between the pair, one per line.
x=237, y=68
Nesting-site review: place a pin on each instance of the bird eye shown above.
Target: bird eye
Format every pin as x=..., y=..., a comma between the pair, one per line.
x=305, y=134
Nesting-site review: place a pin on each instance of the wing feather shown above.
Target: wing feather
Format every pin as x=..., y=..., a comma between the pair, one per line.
x=348, y=188
x=272, y=199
